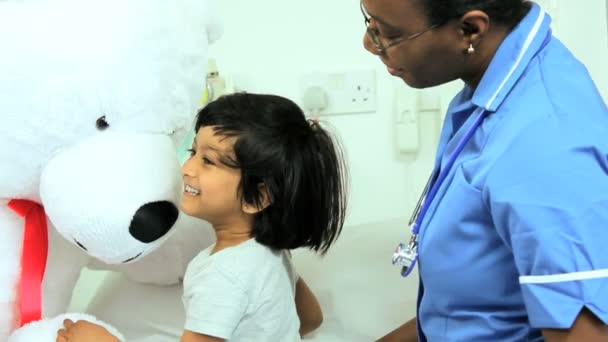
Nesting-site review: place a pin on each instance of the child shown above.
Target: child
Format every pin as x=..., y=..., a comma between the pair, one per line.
x=268, y=181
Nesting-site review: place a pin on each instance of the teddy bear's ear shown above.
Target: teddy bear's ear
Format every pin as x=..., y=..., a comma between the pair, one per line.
x=207, y=16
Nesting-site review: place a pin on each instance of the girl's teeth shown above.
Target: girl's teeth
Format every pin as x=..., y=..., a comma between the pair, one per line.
x=191, y=190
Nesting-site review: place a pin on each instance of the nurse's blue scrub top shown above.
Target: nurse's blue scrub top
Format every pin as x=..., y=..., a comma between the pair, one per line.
x=517, y=237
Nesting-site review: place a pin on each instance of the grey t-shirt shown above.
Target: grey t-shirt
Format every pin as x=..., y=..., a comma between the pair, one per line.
x=242, y=293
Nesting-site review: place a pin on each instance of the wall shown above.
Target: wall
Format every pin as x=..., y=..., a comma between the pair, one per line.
x=269, y=44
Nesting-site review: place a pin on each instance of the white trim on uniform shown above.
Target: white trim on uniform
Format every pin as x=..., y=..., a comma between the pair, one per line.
x=524, y=49
x=558, y=278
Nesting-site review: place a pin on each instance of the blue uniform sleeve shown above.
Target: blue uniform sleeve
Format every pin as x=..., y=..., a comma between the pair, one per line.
x=549, y=202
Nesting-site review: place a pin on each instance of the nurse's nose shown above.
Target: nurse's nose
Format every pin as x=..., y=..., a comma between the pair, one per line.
x=369, y=45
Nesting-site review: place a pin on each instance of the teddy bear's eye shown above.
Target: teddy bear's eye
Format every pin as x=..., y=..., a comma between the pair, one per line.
x=101, y=123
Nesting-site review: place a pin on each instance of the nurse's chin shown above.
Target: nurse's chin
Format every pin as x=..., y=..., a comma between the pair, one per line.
x=414, y=82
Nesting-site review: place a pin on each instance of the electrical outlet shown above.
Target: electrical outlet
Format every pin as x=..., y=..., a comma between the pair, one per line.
x=347, y=92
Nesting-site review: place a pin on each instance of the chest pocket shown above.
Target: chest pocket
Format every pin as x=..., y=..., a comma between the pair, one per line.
x=462, y=258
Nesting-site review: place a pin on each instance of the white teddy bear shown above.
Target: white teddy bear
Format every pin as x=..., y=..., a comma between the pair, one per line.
x=95, y=95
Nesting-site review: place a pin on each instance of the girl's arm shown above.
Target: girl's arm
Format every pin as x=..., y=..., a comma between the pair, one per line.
x=308, y=308
x=84, y=331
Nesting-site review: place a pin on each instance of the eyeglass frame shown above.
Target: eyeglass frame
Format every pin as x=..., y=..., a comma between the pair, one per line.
x=376, y=39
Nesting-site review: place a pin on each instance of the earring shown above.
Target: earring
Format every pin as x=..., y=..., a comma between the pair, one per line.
x=471, y=49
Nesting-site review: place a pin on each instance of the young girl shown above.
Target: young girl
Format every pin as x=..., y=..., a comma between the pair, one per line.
x=268, y=181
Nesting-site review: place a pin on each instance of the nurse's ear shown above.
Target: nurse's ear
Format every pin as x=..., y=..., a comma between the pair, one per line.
x=473, y=27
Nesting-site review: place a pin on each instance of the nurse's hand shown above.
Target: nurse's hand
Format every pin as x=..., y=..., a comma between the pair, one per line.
x=405, y=333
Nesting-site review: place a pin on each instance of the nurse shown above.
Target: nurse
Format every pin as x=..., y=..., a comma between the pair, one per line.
x=512, y=234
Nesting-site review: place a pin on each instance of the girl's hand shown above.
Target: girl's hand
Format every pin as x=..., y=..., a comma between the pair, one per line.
x=84, y=331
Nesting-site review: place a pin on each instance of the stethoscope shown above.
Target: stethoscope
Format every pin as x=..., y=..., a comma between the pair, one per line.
x=407, y=256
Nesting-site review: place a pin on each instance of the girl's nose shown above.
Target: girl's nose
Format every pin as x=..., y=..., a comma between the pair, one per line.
x=186, y=168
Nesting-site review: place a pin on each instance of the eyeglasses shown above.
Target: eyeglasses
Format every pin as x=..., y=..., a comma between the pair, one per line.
x=377, y=41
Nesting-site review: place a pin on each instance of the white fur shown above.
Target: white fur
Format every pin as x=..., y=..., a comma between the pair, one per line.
x=64, y=64
x=47, y=330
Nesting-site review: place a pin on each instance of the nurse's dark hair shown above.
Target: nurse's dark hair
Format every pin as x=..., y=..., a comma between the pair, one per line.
x=298, y=162
x=506, y=12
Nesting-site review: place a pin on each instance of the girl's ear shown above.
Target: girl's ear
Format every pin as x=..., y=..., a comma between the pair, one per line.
x=252, y=209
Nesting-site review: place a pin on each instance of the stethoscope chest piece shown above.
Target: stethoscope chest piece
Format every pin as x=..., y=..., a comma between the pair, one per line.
x=406, y=256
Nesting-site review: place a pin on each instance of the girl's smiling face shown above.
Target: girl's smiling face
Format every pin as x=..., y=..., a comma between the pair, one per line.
x=211, y=187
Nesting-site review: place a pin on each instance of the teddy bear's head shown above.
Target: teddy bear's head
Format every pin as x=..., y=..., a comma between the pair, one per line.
x=95, y=96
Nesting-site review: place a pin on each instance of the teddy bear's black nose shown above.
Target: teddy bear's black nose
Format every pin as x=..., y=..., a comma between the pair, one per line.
x=153, y=220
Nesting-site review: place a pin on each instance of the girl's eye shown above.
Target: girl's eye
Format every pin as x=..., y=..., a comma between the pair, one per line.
x=191, y=151
x=207, y=161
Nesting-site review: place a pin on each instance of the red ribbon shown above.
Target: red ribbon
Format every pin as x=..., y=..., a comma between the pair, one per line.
x=33, y=258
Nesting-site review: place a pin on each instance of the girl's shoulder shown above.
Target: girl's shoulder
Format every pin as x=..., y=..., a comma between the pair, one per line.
x=238, y=263
x=246, y=258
